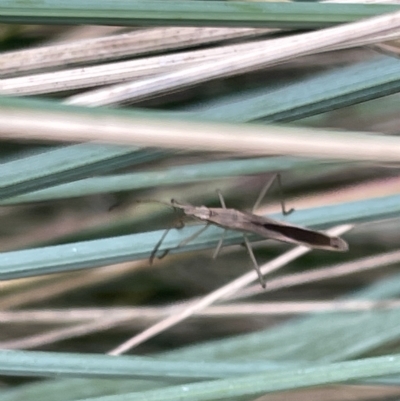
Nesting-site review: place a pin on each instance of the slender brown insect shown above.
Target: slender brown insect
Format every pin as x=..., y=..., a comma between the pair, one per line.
x=232, y=219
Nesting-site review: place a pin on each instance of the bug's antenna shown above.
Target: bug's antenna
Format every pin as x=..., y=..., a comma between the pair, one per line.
x=153, y=201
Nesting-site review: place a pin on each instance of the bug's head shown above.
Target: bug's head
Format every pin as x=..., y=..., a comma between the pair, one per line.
x=199, y=212
x=177, y=205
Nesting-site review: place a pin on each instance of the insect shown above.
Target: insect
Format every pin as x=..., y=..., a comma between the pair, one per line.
x=246, y=222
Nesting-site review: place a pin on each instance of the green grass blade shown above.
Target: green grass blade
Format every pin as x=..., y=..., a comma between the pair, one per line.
x=47, y=364
x=73, y=389
x=65, y=164
x=175, y=175
x=341, y=87
x=325, y=337
x=218, y=13
x=94, y=253
x=270, y=381
x=306, y=97
x=227, y=349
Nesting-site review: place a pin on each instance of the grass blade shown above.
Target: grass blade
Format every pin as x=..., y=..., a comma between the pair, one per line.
x=139, y=246
x=189, y=13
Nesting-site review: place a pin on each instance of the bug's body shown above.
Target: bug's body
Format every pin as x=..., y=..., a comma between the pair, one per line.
x=265, y=227
x=245, y=222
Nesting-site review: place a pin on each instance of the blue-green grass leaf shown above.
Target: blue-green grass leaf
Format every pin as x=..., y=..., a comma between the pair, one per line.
x=327, y=91
x=88, y=254
x=218, y=13
x=66, y=163
x=50, y=364
x=169, y=176
x=269, y=382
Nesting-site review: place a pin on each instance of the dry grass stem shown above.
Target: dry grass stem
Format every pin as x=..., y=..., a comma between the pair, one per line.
x=110, y=47
x=241, y=138
x=220, y=293
x=117, y=72
x=49, y=287
x=325, y=273
x=268, y=53
x=93, y=320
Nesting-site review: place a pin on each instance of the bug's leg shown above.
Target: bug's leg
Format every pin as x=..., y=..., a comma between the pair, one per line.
x=265, y=189
x=221, y=199
x=193, y=236
x=154, y=252
x=183, y=242
x=263, y=192
x=219, y=246
x=221, y=240
x=253, y=259
x=282, y=198
x=180, y=225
